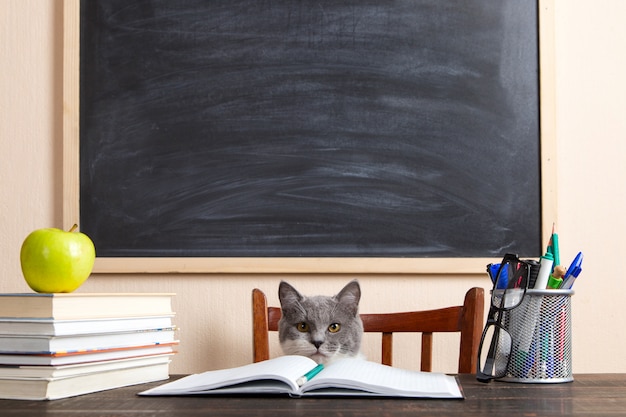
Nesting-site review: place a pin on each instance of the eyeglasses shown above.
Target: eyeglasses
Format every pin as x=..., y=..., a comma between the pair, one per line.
x=509, y=288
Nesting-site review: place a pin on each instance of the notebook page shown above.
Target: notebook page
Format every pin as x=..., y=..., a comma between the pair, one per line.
x=285, y=368
x=385, y=380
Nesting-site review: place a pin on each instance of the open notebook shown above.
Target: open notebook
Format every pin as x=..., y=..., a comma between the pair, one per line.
x=346, y=377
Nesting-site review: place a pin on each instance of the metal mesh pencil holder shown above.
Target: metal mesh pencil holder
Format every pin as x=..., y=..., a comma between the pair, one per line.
x=541, y=337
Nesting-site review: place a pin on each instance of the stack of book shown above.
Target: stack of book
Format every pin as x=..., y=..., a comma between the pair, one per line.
x=61, y=345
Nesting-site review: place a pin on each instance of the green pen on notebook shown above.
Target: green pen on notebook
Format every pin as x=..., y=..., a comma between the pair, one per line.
x=309, y=375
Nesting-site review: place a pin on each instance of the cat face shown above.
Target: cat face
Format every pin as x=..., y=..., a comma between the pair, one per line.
x=321, y=327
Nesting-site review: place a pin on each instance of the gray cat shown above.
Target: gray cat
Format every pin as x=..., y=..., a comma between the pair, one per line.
x=321, y=327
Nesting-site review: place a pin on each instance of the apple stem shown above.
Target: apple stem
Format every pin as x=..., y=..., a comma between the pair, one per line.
x=74, y=227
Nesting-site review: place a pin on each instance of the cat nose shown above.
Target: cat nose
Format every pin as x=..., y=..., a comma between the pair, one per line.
x=317, y=344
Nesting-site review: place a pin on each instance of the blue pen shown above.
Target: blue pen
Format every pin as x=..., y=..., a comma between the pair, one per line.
x=572, y=272
x=500, y=276
x=492, y=271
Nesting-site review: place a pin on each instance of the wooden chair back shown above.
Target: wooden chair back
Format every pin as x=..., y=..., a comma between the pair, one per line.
x=466, y=319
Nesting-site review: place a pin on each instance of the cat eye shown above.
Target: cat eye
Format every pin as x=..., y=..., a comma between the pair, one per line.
x=302, y=327
x=334, y=328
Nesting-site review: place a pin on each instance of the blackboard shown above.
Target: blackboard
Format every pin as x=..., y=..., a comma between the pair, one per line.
x=240, y=128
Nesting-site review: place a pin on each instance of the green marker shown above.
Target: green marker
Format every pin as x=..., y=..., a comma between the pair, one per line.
x=554, y=282
x=556, y=278
x=545, y=269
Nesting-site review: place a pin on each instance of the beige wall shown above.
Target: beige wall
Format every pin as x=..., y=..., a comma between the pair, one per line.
x=213, y=310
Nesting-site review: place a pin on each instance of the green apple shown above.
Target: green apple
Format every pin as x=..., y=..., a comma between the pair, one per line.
x=54, y=260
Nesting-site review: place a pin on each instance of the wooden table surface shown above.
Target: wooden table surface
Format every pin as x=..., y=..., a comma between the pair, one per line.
x=587, y=395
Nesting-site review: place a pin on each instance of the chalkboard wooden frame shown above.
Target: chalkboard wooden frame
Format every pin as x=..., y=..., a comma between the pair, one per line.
x=326, y=265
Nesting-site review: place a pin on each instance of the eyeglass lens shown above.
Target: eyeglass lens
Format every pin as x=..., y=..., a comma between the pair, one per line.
x=510, y=285
x=495, y=350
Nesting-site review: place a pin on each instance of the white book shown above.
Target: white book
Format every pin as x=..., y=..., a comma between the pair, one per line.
x=78, y=305
x=50, y=344
x=64, y=371
x=55, y=388
x=346, y=377
x=51, y=327
x=56, y=359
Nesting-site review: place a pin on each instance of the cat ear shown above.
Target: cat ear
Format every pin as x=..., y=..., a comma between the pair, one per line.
x=350, y=295
x=287, y=294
